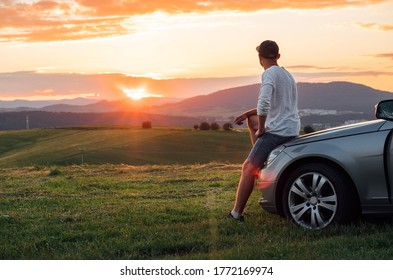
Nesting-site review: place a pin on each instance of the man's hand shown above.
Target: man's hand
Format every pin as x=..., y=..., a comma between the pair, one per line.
x=259, y=132
x=240, y=119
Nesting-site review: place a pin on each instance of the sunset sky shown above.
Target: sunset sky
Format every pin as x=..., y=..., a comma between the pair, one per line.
x=320, y=41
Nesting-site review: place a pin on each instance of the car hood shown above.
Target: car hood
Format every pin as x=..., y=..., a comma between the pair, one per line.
x=341, y=131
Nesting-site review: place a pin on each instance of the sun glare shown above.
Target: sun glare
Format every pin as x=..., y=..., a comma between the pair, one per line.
x=139, y=93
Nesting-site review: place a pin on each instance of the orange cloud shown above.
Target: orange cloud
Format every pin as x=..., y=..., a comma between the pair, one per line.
x=314, y=67
x=382, y=27
x=383, y=55
x=110, y=7
x=50, y=20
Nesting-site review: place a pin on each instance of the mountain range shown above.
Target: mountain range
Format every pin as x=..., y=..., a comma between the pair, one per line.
x=320, y=104
x=334, y=96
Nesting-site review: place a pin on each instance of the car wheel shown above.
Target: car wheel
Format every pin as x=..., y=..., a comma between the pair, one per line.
x=316, y=196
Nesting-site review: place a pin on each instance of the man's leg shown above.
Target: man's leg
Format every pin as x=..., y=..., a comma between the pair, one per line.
x=247, y=178
x=245, y=186
x=258, y=155
x=252, y=124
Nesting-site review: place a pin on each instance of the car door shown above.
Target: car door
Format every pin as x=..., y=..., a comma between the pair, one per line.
x=388, y=157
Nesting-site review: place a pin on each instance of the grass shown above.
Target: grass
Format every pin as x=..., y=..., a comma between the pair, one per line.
x=136, y=146
x=172, y=211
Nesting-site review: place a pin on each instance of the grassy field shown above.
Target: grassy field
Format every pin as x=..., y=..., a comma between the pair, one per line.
x=136, y=146
x=158, y=212
x=149, y=194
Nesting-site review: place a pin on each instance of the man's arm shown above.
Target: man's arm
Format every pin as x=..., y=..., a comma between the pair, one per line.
x=240, y=119
x=261, y=126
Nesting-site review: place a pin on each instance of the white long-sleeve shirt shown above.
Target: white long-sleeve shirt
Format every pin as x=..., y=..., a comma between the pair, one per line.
x=278, y=102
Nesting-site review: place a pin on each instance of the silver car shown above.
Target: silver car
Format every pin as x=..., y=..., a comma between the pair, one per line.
x=332, y=176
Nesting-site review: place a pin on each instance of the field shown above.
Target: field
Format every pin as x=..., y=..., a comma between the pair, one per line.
x=150, y=211
x=136, y=146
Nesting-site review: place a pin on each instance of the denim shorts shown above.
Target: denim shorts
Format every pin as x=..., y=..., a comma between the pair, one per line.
x=263, y=146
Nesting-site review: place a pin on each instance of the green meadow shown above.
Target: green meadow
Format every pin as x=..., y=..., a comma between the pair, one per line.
x=135, y=146
x=149, y=194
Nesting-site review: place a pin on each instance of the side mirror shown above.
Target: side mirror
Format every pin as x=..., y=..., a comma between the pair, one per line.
x=384, y=110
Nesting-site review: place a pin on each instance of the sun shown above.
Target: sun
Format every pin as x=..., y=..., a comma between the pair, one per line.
x=138, y=93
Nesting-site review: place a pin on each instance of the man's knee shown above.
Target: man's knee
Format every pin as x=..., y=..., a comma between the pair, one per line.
x=249, y=168
x=252, y=122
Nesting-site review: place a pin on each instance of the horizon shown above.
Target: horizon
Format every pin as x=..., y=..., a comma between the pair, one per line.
x=94, y=49
x=137, y=96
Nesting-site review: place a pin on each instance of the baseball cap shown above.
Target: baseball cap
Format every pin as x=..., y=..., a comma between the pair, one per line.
x=268, y=49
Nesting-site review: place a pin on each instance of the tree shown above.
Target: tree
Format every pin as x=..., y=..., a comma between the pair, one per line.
x=196, y=127
x=204, y=126
x=215, y=126
x=227, y=126
x=146, y=124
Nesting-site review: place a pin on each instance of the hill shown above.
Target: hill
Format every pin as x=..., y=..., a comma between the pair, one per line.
x=42, y=119
x=340, y=96
x=227, y=102
x=20, y=104
x=321, y=105
x=136, y=146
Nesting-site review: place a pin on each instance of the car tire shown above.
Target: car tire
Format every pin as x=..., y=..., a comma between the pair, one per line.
x=318, y=195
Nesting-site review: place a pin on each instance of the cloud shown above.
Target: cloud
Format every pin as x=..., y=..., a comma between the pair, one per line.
x=31, y=85
x=382, y=27
x=312, y=71
x=44, y=86
x=313, y=67
x=383, y=55
x=52, y=20
x=129, y=7
x=336, y=75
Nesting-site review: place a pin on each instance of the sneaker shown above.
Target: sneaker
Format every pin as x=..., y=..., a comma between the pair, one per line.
x=230, y=217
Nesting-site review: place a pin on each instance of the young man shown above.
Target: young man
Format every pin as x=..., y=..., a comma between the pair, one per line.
x=273, y=122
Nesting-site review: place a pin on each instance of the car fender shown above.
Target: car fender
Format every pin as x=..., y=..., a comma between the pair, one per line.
x=360, y=156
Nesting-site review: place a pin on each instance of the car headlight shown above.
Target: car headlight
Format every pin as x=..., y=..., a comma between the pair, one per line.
x=273, y=154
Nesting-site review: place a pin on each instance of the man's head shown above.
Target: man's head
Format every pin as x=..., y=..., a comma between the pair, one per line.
x=268, y=49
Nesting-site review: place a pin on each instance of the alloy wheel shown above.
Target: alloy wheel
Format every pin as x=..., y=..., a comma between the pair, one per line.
x=312, y=200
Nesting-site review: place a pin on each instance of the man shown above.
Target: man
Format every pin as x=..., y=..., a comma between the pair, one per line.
x=273, y=122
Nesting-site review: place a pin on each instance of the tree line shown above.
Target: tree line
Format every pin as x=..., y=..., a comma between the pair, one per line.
x=213, y=126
